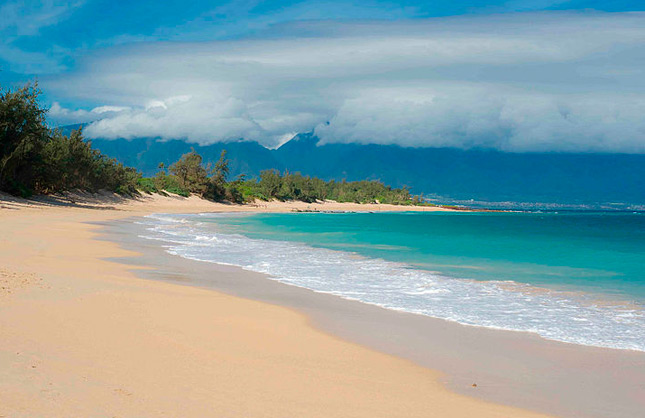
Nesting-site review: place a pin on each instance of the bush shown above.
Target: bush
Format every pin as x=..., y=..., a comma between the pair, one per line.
x=177, y=190
x=147, y=185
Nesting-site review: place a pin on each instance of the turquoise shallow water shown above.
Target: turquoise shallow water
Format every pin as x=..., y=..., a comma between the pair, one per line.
x=600, y=252
x=577, y=277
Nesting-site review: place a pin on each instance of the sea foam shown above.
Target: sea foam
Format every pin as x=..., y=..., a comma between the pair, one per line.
x=562, y=316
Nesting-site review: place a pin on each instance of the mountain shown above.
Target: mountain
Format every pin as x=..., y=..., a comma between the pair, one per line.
x=478, y=174
x=614, y=180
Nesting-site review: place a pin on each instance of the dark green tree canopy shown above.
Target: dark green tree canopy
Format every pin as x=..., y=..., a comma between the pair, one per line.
x=37, y=159
x=191, y=173
x=23, y=133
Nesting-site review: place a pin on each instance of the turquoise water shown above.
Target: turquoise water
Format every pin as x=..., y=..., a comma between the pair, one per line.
x=598, y=252
x=577, y=277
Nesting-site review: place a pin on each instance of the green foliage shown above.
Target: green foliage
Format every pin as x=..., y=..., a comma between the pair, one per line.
x=147, y=185
x=217, y=187
x=365, y=191
x=177, y=190
x=250, y=190
x=273, y=185
x=70, y=162
x=235, y=191
x=160, y=178
x=168, y=182
x=295, y=186
x=23, y=133
x=190, y=173
x=36, y=159
x=270, y=184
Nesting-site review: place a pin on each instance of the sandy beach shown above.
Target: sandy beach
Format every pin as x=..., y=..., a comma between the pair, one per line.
x=177, y=237
x=84, y=335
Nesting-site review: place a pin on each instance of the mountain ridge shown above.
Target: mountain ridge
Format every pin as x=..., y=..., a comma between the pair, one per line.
x=449, y=174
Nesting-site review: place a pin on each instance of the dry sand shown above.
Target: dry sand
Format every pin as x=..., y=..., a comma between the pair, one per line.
x=82, y=336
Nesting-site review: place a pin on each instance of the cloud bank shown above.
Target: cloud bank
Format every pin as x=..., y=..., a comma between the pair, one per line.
x=514, y=82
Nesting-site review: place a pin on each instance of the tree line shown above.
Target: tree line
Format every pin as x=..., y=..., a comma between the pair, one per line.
x=189, y=175
x=35, y=159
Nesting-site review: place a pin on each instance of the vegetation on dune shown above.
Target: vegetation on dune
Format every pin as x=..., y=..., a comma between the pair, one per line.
x=295, y=186
x=37, y=159
x=189, y=175
x=40, y=160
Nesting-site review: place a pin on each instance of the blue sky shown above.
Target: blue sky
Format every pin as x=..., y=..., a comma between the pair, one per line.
x=513, y=75
x=44, y=37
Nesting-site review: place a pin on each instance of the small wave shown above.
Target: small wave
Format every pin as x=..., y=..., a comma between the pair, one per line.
x=563, y=316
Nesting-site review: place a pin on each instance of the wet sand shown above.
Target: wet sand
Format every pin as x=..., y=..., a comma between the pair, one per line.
x=512, y=368
x=82, y=335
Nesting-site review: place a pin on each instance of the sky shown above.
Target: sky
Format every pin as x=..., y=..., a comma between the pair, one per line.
x=516, y=76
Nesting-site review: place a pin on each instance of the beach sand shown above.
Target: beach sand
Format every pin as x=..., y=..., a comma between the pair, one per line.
x=84, y=336
x=512, y=368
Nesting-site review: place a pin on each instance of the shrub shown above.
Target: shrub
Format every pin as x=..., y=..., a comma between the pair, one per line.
x=147, y=185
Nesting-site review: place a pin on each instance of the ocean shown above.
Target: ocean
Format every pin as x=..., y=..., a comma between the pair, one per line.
x=576, y=277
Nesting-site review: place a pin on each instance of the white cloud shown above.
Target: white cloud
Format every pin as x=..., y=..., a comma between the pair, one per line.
x=518, y=82
x=199, y=120
x=68, y=116
x=487, y=117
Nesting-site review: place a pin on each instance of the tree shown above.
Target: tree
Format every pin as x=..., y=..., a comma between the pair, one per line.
x=160, y=177
x=190, y=173
x=217, y=189
x=23, y=132
x=221, y=170
x=235, y=190
x=270, y=183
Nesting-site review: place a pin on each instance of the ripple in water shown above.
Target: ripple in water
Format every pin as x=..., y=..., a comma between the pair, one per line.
x=563, y=316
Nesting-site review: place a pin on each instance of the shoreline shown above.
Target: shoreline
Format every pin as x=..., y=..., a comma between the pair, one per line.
x=83, y=336
x=514, y=368
x=174, y=203
x=569, y=300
